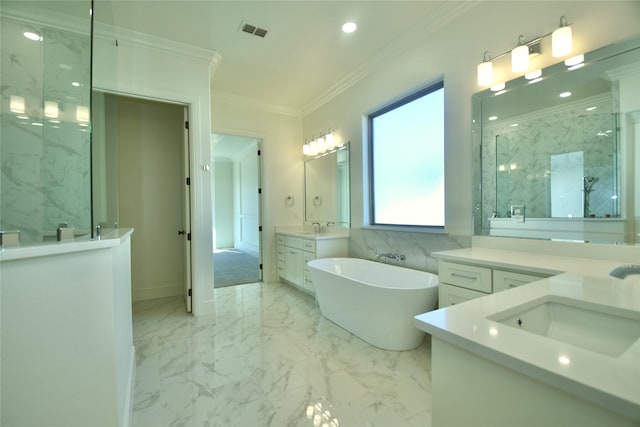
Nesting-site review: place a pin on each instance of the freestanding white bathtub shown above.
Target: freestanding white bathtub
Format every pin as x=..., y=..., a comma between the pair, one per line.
x=374, y=301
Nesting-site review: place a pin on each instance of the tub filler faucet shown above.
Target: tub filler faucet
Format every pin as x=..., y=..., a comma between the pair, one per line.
x=398, y=257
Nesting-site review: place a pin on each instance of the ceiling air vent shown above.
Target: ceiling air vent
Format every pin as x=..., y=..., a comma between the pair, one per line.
x=252, y=29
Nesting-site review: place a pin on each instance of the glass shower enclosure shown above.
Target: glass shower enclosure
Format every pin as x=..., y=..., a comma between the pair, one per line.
x=45, y=139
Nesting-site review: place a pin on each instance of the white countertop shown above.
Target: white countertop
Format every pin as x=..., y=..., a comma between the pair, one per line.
x=314, y=236
x=85, y=243
x=529, y=261
x=610, y=381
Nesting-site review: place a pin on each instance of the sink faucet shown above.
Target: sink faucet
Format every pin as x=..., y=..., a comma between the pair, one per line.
x=624, y=271
x=316, y=227
x=398, y=257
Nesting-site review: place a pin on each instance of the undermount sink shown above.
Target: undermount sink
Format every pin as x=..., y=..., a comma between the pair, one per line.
x=599, y=328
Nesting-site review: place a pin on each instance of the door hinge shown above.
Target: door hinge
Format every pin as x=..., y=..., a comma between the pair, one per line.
x=188, y=236
x=259, y=152
x=189, y=292
x=186, y=125
x=188, y=181
x=260, y=266
x=259, y=190
x=259, y=228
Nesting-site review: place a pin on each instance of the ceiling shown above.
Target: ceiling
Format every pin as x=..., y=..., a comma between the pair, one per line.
x=303, y=57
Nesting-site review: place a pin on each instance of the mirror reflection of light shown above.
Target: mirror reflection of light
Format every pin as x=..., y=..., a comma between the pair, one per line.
x=498, y=87
x=539, y=79
x=565, y=94
x=614, y=197
x=502, y=168
x=564, y=360
x=515, y=125
x=493, y=331
x=513, y=166
x=591, y=108
x=575, y=67
x=33, y=36
x=492, y=118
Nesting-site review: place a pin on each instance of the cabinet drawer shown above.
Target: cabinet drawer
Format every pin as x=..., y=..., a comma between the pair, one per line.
x=466, y=276
x=503, y=280
x=451, y=295
x=293, y=242
x=280, y=267
x=308, y=256
x=309, y=245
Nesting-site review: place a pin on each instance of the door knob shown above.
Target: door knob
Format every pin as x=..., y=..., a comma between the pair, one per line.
x=181, y=232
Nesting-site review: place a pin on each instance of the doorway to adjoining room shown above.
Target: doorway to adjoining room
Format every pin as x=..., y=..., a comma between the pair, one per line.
x=236, y=210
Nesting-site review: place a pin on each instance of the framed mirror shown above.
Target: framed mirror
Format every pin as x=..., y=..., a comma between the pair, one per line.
x=326, y=188
x=556, y=156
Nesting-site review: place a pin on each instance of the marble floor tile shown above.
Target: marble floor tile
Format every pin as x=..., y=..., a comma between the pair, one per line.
x=262, y=359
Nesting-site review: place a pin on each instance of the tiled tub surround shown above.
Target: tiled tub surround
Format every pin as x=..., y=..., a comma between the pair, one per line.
x=261, y=359
x=417, y=247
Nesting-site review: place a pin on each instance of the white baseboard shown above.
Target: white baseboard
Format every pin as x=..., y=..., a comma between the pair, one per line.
x=157, y=292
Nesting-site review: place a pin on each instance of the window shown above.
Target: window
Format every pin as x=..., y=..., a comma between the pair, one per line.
x=406, y=164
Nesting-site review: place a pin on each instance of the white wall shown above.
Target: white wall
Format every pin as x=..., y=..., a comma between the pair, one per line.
x=223, y=203
x=281, y=135
x=155, y=68
x=452, y=50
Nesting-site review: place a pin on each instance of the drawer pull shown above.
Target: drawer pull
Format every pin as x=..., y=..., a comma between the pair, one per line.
x=462, y=276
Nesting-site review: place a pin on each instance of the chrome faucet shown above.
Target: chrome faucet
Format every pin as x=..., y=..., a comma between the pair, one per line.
x=625, y=270
x=398, y=257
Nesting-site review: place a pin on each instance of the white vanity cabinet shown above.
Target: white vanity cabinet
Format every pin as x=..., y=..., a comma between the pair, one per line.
x=461, y=282
x=295, y=251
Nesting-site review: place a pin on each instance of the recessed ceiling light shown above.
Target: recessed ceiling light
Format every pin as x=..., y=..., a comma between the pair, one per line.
x=349, y=27
x=32, y=36
x=565, y=94
x=591, y=108
x=492, y=118
x=76, y=84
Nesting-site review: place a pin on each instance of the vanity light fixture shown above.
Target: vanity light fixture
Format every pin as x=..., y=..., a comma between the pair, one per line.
x=329, y=141
x=520, y=56
x=51, y=109
x=485, y=70
x=16, y=104
x=305, y=149
x=320, y=144
x=561, y=45
x=82, y=114
x=561, y=39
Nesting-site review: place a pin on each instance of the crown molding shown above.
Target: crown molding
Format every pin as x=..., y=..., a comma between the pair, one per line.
x=255, y=104
x=442, y=16
x=158, y=44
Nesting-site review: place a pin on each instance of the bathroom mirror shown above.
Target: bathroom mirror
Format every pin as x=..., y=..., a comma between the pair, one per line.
x=556, y=157
x=326, y=188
